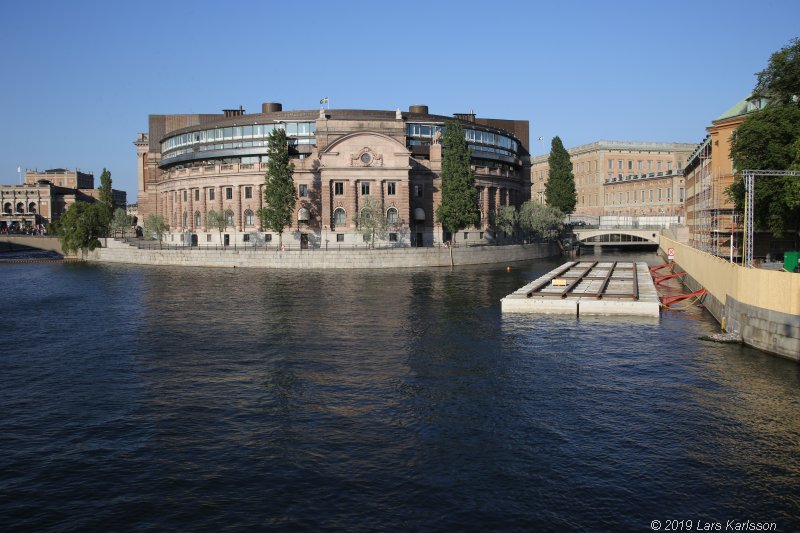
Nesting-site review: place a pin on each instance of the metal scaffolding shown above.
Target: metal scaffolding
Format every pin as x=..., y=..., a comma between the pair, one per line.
x=749, y=207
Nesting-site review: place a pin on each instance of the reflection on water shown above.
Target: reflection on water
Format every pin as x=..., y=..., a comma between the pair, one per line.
x=199, y=399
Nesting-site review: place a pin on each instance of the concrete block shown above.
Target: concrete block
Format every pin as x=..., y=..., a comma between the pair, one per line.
x=516, y=304
x=591, y=306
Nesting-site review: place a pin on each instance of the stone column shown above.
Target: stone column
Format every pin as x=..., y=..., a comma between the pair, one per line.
x=237, y=210
x=352, y=205
x=484, y=207
x=191, y=209
x=405, y=204
x=325, y=213
x=260, y=204
x=204, y=214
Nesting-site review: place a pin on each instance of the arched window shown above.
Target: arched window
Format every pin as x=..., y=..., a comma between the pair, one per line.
x=248, y=218
x=229, y=217
x=366, y=214
x=185, y=219
x=20, y=207
x=7, y=208
x=32, y=207
x=339, y=216
x=391, y=216
x=197, y=219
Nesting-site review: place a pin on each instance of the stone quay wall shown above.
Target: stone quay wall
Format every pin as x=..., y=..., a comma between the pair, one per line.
x=119, y=252
x=763, y=306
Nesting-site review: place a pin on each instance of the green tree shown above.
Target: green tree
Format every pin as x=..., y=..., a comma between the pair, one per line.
x=155, y=225
x=542, y=220
x=780, y=81
x=506, y=219
x=106, y=195
x=82, y=226
x=560, y=188
x=120, y=222
x=459, y=206
x=279, y=192
x=766, y=141
x=371, y=220
x=219, y=220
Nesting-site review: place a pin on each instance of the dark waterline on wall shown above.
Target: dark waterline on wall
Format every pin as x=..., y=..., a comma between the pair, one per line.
x=212, y=399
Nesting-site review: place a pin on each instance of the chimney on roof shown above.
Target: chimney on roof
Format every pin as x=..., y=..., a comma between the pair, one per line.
x=233, y=112
x=469, y=117
x=271, y=107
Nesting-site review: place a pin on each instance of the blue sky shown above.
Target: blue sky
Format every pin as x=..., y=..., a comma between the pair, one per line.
x=80, y=78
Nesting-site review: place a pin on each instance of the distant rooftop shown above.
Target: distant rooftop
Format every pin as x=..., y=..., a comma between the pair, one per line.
x=746, y=105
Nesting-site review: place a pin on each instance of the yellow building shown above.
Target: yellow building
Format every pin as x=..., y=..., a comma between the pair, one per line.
x=714, y=224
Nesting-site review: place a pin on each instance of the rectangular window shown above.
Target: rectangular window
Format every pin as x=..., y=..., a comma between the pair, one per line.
x=680, y=191
x=246, y=237
x=338, y=188
x=365, y=188
x=391, y=188
x=303, y=190
x=210, y=194
x=630, y=164
x=669, y=165
x=651, y=195
x=639, y=165
x=184, y=195
x=197, y=195
x=268, y=237
x=610, y=164
x=669, y=194
x=659, y=194
x=659, y=165
x=393, y=237
x=229, y=193
x=619, y=164
x=248, y=192
x=418, y=189
x=466, y=235
x=627, y=197
x=650, y=165
x=208, y=237
x=340, y=237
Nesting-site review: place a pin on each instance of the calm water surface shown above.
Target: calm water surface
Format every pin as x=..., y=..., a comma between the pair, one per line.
x=135, y=398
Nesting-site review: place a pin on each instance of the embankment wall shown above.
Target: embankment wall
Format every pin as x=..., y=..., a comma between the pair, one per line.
x=763, y=306
x=118, y=252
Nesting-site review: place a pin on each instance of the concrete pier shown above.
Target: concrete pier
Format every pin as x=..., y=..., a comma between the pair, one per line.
x=589, y=288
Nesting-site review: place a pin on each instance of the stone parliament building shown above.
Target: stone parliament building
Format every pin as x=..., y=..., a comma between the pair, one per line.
x=189, y=165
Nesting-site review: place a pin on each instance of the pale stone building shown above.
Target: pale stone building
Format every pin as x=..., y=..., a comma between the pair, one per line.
x=622, y=178
x=45, y=196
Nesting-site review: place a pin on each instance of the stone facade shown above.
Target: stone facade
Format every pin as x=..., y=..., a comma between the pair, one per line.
x=622, y=178
x=46, y=195
x=189, y=165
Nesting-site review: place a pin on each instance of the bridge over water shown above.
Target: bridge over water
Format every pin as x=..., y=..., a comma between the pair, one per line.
x=10, y=243
x=617, y=236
